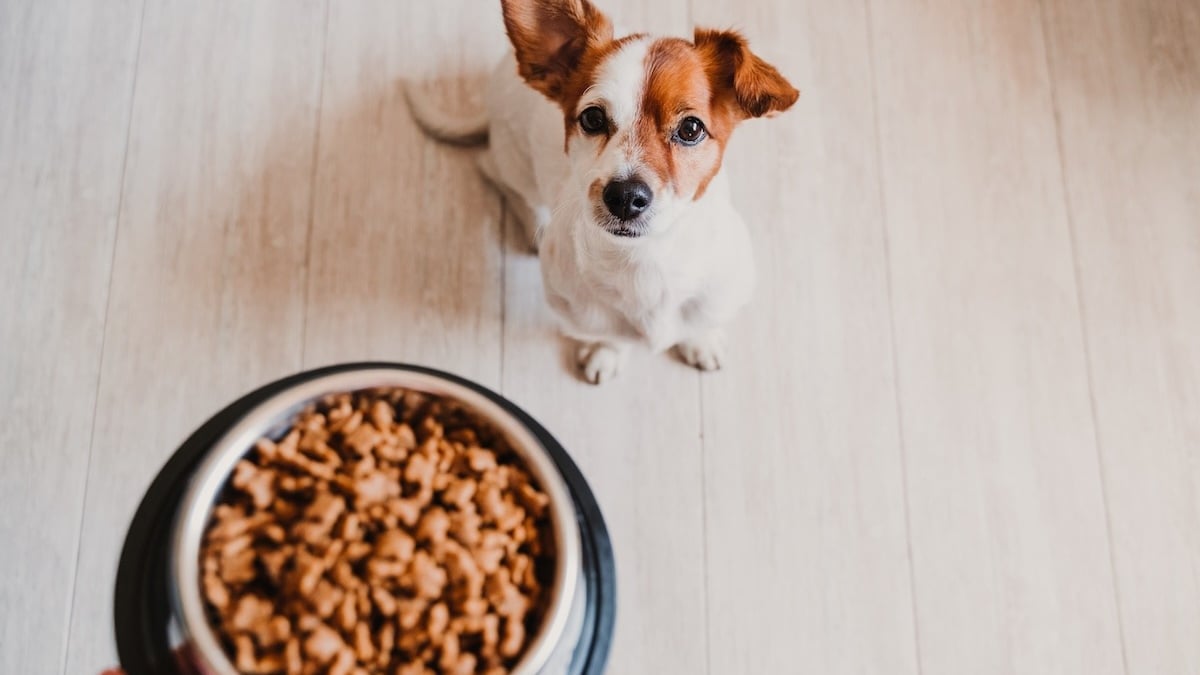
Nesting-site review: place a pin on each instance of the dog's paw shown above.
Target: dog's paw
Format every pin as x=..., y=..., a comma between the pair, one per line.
x=704, y=354
x=599, y=361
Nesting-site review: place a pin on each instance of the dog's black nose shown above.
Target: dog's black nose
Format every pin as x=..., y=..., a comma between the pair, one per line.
x=627, y=199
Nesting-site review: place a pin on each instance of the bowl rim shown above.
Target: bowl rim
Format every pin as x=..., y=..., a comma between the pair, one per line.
x=275, y=414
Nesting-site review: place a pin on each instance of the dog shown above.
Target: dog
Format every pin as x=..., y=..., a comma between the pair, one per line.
x=609, y=151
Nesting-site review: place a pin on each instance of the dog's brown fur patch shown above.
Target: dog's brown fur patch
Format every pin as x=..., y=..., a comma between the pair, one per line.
x=561, y=44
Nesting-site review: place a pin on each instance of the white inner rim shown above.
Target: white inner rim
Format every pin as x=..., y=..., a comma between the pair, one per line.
x=275, y=414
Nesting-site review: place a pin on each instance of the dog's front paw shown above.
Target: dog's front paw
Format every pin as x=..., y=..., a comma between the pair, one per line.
x=599, y=361
x=706, y=353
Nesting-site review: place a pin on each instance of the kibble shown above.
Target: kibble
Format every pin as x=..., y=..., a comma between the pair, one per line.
x=386, y=532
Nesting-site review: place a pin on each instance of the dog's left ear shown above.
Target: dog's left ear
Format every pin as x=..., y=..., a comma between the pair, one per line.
x=755, y=86
x=550, y=38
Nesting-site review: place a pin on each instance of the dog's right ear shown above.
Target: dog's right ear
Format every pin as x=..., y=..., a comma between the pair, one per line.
x=550, y=38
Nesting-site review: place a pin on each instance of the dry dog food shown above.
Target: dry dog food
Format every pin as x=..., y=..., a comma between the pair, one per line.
x=387, y=532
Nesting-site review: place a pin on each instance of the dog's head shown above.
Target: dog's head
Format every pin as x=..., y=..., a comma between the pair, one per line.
x=647, y=120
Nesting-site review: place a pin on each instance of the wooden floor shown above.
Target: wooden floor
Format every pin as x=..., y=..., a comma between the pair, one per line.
x=959, y=431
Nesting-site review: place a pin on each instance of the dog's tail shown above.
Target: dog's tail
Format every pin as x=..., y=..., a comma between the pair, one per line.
x=471, y=130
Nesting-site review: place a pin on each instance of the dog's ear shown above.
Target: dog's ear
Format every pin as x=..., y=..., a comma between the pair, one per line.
x=550, y=38
x=754, y=86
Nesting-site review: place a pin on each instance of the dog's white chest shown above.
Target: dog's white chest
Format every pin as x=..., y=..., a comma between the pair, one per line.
x=641, y=300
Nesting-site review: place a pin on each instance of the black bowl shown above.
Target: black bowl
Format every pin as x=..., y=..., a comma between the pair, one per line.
x=142, y=608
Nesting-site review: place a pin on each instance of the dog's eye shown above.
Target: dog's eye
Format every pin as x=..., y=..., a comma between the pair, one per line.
x=593, y=120
x=691, y=131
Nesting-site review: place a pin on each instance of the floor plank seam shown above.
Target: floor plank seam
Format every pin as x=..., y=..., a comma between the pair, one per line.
x=895, y=358
x=704, y=525
x=312, y=190
x=112, y=266
x=691, y=17
x=1086, y=346
x=504, y=245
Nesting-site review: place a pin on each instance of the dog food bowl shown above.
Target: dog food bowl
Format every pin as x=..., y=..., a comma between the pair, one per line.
x=161, y=623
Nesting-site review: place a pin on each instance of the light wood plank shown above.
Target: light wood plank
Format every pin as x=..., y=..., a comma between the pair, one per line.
x=207, y=293
x=1127, y=83
x=1009, y=545
x=636, y=440
x=406, y=251
x=66, y=70
x=798, y=477
x=808, y=563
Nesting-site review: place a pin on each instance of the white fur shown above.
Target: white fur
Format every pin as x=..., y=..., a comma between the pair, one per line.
x=678, y=285
x=619, y=83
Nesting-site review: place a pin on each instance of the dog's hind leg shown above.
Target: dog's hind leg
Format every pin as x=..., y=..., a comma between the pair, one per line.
x=533, y=220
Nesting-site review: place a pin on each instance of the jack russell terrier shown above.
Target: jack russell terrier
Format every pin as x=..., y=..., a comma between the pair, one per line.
x=608, y=151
